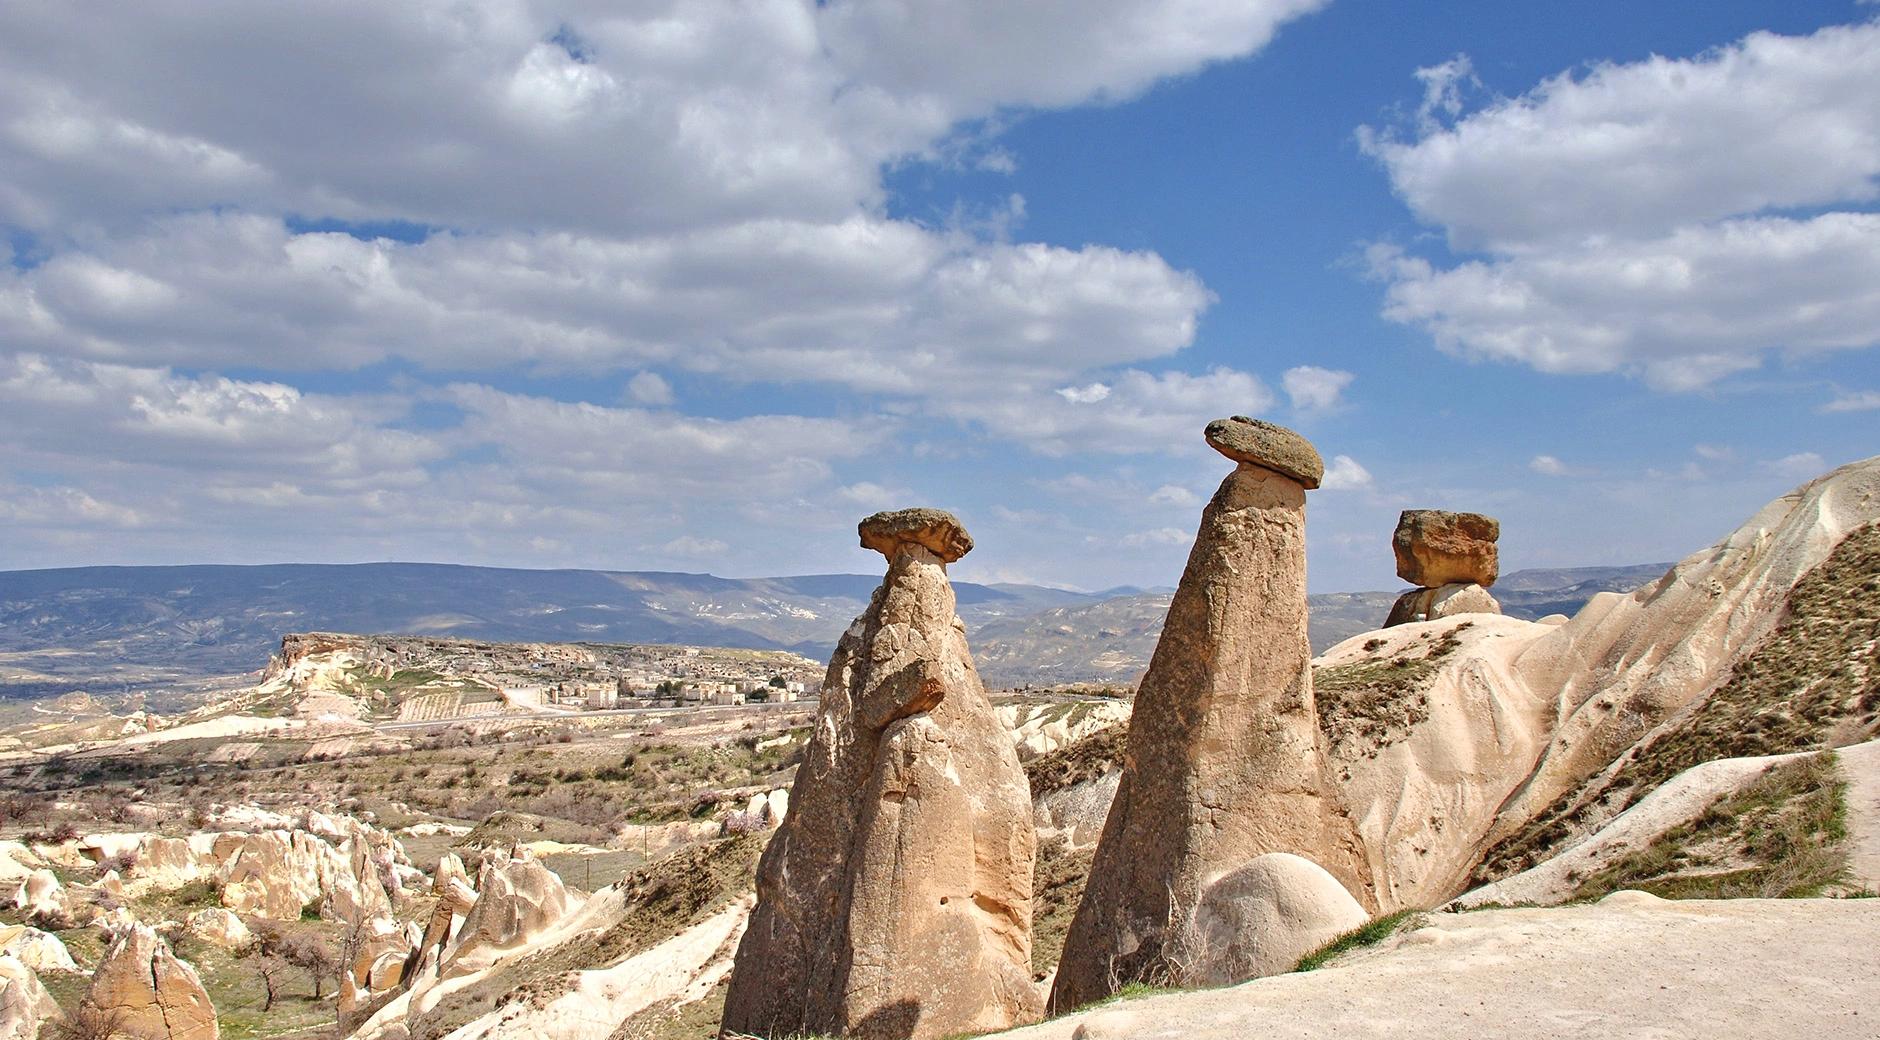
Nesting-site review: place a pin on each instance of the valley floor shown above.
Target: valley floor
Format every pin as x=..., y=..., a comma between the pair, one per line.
x=1631, y=965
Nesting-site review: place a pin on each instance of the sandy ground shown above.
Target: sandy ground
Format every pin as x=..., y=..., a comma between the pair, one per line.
x=1860, y=764
x=1632, y=966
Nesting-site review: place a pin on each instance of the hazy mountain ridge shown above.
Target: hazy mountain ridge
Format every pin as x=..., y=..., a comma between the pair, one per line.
x=107, y=629
x=1111, y=640
x=128, y=628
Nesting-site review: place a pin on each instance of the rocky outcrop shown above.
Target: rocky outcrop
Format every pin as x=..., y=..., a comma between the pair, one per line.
x=378, y=952
x=1437, y=547
x=1441, y=602
x=40, y=897
x=25, y=1005
x=40, y=951
x=1224, y=761
x=154, y=995
x=1039, y=729
x=220, y=928
x=1525, y=738
x=1452, y=559
x=278, y=874
x=451, y=885
x=768, y=808
x=895, y=900
x=517, y=899
x=1260, y=919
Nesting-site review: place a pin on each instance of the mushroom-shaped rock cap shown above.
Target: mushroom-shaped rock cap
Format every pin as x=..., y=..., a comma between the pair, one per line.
x=1265, y=444
x=936, y=529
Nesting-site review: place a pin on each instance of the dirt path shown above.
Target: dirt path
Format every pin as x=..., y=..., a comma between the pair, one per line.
x=1630, y=966
x=1860, y=765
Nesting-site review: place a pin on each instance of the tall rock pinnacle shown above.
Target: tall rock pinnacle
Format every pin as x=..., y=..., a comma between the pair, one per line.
x=1224, y=761
x=895, y=899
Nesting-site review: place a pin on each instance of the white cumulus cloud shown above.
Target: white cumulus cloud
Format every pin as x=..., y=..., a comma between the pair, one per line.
x=1674, y=218
x=1345, y=474
x=1315, y=389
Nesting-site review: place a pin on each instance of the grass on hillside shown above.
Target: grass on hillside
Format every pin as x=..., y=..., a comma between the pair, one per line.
x=1057, y=887
x=1374, y=702
x=1781, y=837
x=1369, y=934
x=1088, y=759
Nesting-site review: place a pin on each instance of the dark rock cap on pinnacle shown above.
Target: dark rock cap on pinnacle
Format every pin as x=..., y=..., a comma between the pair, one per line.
x=1265, y=444
x=938, y=530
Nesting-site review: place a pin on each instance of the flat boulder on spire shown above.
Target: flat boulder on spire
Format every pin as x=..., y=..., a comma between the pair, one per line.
x=1269, y=446
x=936, y=530
x=1436, y=547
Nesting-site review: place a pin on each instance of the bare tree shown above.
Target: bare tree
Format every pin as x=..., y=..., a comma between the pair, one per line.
x=313, y=955
x=273, y=972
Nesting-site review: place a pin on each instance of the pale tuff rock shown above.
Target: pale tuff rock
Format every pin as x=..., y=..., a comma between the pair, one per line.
x=40, y=951
x=1521, y=713
x=15, y=858
x=895, y=900
x=1260, y=919
x=1437, y=547
x=1224, y=759
x=1627, y=664
x=768, y=807
x=1678, y=801
x=25, y=1005
x=455, y=897
x=219, y=927
x=1268, y=446
x=40, y=897
x=1039, y=729
x=1422, y=796
x=595, y=1002
x=276, y=874
x=157, y=996
x=1734, y=969
x=1444, y=601
x=517, y=899
x=378, y=953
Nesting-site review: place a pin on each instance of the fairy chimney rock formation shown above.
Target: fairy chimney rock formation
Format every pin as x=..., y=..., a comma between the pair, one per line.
x=155, y=995
x=1224, y=761
x=895, y=899
x=1451, y=557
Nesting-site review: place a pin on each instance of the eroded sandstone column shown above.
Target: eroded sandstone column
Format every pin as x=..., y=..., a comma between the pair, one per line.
x=895, y=899
x=1224, y=762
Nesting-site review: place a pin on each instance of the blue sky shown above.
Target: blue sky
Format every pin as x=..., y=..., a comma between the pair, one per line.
x=694, y=286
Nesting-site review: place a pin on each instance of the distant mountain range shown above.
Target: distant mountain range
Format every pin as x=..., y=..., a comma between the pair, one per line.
x=128, y=629
x=1111, y=640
